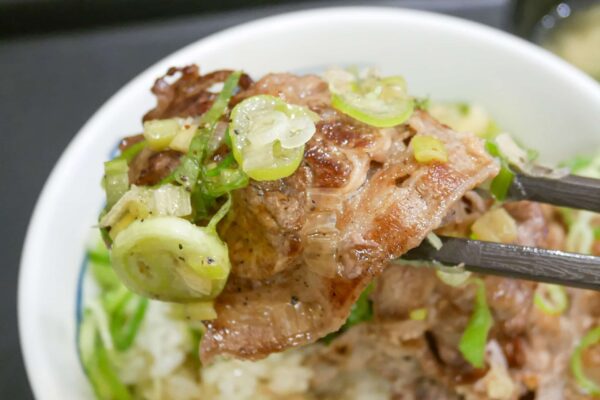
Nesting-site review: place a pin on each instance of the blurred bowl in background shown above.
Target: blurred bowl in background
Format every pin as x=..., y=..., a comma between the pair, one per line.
x=570, y=29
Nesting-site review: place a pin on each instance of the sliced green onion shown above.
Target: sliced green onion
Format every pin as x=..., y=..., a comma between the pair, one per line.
x=203, y=311
x=116, y=180
x=97, y=363
x=577, y=369
x=474, y=338
x=427, y=149
x=141, y=202
x=171, y=259
x=160, y=132
x=181, y=142
x=269, y=136
x=551, y=299
x=419, y=314
x=453, y=278
x=380, y=102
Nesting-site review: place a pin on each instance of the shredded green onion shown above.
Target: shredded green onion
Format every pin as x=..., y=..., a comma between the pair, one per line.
x=126, y=319
x=189, y=168
x=501, y=183
x=224, y=163
x=362, y=310
x=101, y=269
x=97, y=363
x=551, y=299
x=474, y=338
x=188, y=172
x=577, y=369
x=227, y=180
x=129, y=153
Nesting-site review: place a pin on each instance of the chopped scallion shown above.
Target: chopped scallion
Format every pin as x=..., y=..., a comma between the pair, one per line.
x=428, y=149
x=419, y=314
x=551, y=299
x=474, y=338
x=577, y=369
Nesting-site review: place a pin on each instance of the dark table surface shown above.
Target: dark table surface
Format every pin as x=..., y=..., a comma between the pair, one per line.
x=51, y=84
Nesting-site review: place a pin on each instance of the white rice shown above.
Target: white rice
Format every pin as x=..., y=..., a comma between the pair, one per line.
x=160, y=366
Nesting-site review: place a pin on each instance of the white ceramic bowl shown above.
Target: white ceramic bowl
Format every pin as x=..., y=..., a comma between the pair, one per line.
x=550, y=105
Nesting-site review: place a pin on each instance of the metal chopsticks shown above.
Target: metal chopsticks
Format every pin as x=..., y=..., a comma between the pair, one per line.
x=513, y=261
x=523, y=262
x=570, y=191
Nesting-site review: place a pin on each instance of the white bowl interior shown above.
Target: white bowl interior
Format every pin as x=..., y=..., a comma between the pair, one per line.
x=548, y=104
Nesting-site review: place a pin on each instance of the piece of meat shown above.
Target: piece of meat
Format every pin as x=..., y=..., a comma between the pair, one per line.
x=463, y=214
x=304, y=247
x=394, y=297
x=279, y=208
x=532, y=226
x=150, y=167
x=391, y=351
x=511, y=301
x=377, y=213
x=190, y=94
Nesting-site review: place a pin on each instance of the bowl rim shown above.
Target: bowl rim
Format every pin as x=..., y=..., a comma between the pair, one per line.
x=34, y=239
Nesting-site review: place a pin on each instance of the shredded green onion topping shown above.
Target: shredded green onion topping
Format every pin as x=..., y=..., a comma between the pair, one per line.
x=473, y=341
x=585, y=383
x=501, y=183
